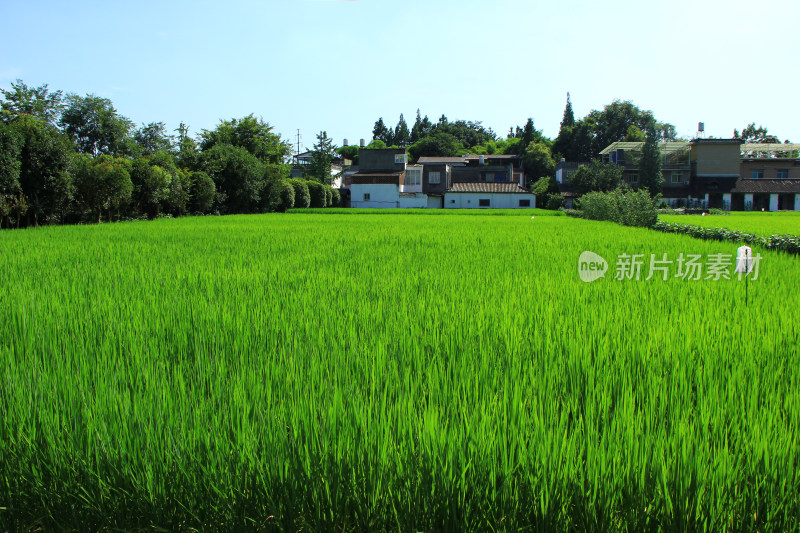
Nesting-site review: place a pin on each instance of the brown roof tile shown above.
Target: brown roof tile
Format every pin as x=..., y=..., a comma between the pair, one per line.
x=488, y=187
x=781, y=186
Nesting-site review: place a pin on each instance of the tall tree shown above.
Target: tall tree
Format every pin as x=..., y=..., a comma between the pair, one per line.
x=538, y=162
x=438, y=144
x=38, y=102
x=650, y=163
x=94, y=125
x=402, y=137
x=321, y=157
x=596, y=176
x=152, y=138
x=416, y=129
x=44, y=160
x=753, y=134
x=250, y=133
x=568, y=120
x=380, y=132
x=101, y=183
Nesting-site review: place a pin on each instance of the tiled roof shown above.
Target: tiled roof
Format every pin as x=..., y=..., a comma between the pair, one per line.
x=430, y=159
x=488, y=187
x=782, y=186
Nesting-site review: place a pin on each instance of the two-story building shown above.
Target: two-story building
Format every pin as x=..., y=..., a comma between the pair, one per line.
x=385, y=179
x=716, y=173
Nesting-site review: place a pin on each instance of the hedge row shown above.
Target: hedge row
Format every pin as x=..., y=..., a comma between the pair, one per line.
x=785, y=243
x=302, y=193
x=623, y=206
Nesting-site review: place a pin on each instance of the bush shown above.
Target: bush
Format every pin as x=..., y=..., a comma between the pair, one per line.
x=786, y=243
x=337, y=198
x=623, y=206
x=316, y=191
x=328, y=196
x=554, y=201
x=302, y=198
x=281, y=196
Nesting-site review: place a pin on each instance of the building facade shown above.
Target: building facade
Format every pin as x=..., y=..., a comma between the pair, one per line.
x=385, y=179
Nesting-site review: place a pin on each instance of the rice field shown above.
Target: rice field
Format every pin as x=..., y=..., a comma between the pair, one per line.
x=309, y=372
x=778, y=223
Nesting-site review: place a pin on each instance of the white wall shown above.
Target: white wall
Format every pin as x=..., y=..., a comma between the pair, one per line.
x=417, y=201
x=380, y=195
x=470, y=200
x=435, y=202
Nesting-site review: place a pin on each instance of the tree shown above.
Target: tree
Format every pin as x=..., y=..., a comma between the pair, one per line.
x=349, y=152
x=95, y=126
x=10, y=166
x=250, y=133
x=528, y=133
x=402, y=136
x=321, y=157
x=538, y=161
x=381, y=133
x=203, y=192
x=465, y=132
x=650, y=163
x=38, y=102
x=612, y=123
x=421, y=129
x=187, y=156
x=44, y=162
x=438, y=144
x=281, y=197
x=568, y=120
x=239, y=178
x=596, y=176
x=152, y=138
x=102, y=183
x=634, y=134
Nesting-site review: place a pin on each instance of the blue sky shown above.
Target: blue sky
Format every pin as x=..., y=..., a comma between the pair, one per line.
x=338, y=65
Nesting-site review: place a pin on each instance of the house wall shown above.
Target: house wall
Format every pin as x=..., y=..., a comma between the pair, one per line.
x=471, y=200
x=373, y=160
x=437, y=202
x=407, y=201
x=380, y=195
x=716, y=159
x=439, y=188
x=770, y=167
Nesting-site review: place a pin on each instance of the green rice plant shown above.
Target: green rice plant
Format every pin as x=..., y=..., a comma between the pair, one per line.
x=778, y=223
x=375, y=372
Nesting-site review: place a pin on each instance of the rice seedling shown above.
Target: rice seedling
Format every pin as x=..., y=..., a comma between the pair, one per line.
x=413, y=373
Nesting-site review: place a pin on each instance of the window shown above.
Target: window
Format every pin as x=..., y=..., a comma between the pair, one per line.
x=433, y=178
x=633, y=178
x=413, y=176
x=483, y=202
x=524, y=203
x=783, y=173
x=677, y=177
x=366, y=197
x=489, y=176
x=399, y=158
x=757, y=174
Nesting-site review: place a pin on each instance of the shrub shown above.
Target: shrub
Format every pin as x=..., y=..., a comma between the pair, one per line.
x=281, y=196
x=328, y=196
x=554, y=201
x=316, y=191
x=337, y=198
x=623, y=205
x=302, y=198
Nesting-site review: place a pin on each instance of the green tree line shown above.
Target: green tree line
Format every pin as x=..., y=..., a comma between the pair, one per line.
x=72, y=158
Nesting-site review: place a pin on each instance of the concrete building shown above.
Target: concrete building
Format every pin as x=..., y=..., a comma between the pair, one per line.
x=385, y=179
x=716, y=173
